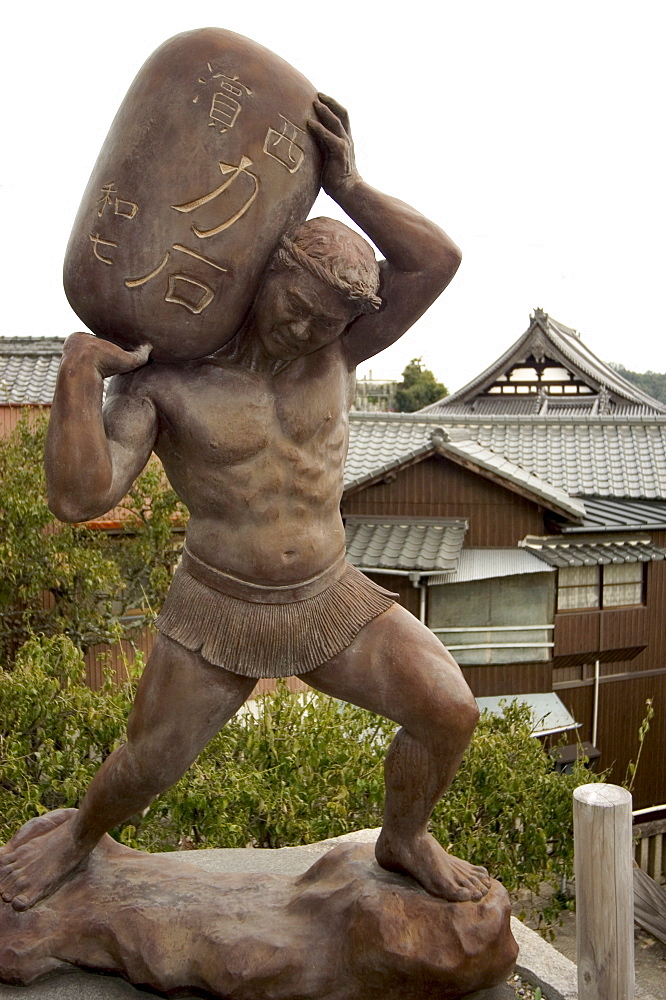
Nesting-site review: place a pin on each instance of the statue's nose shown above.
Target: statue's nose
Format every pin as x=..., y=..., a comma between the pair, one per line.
x=298, y=328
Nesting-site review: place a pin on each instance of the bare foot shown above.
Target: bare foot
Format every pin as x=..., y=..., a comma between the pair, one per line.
x=38, y=859
x=439, y=873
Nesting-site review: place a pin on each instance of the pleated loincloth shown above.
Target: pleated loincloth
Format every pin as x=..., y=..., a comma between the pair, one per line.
x=262, y=631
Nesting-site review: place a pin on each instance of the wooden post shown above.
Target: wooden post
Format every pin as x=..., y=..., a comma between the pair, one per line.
x=604, y=892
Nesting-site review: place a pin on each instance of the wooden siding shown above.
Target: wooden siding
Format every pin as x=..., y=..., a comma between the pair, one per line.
x=621, y=711
x=523, y=678
x=604, y=635
x=655, y=654
x=437, y=487
x=10, y=416
x=116, y=657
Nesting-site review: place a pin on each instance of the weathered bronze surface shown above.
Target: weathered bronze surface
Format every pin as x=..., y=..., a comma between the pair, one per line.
x=344, y=929
x=253, y=437
x=206, y=164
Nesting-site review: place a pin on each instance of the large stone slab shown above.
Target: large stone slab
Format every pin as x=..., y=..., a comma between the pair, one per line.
x=343, y=930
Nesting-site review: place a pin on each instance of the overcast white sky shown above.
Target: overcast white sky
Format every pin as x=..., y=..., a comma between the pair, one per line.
x=532, y=132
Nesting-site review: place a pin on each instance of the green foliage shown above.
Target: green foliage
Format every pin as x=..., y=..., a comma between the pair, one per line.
x=37, y=559
x=54, y=730
x=509, y=810
x=418, y=388
x=302, y=770
x=69, y=579
x=147, y=551
x=653, y=383
x=642, y=733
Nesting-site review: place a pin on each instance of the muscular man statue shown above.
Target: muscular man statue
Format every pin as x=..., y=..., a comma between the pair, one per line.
x=253, y=439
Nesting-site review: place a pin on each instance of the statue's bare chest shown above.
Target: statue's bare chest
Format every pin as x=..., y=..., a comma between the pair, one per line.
x=228, y=415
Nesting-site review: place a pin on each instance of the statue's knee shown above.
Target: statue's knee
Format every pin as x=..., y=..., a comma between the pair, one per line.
x=469, y=714
x=453, y=717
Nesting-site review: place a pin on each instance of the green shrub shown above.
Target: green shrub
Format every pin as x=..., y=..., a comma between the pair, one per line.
x=54, y=730
x=303, y=770
x=68, y=578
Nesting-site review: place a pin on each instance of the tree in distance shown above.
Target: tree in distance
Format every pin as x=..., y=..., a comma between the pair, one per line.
x=418, y=388
x=653, y=383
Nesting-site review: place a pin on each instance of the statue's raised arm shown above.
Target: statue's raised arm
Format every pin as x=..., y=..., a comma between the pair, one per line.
x=420, y=259
x=92, y=455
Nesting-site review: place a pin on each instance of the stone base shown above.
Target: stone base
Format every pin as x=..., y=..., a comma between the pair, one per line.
x=343, y=930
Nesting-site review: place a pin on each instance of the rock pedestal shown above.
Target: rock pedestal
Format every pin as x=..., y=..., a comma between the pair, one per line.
x=344, y=930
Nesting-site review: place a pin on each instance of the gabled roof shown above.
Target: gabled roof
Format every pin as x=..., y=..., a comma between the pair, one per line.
x=548, y=370
x=593, y=456
x=28, y=369
x=405, y=544
x=556, y=458
x=475, y=456
x=379, y=442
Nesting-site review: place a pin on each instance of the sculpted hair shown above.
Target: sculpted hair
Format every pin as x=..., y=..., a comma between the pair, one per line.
x=334, y=253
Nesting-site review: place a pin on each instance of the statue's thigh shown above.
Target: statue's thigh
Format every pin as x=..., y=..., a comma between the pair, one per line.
x=398, y=668
x=182, y=700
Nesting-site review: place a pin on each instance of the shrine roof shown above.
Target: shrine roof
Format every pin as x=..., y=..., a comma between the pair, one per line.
x=548, y=370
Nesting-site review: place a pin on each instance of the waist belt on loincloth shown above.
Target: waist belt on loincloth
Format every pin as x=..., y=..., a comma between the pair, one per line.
x=256, y=593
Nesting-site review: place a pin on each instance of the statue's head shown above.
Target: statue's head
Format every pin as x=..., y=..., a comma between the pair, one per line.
x=321, y=277
x=335, y=254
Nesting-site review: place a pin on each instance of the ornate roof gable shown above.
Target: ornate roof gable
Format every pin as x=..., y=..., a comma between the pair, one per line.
x=549, y=370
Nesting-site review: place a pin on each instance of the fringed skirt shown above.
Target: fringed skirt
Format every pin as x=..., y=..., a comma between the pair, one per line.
x=268, y=631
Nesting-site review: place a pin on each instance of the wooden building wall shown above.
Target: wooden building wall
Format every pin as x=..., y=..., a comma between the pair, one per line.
x=509, y=679
x=119, y=655
x=625, y=684
x=497, y=517
x=10, y=416
x=621, y=711
x=437, y=487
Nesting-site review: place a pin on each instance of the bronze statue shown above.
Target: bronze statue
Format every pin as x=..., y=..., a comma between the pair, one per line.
x=253, y=438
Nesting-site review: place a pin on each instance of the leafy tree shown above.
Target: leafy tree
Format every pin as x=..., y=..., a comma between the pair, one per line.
x=653, y=383
x=418, y=388
x=71, y=579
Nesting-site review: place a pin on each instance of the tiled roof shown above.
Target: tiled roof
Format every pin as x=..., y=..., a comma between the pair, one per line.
x=621, y=456
x=28, y=369
x=545, y=337
x=558, y=552
x=404, y=544
x=554, y=497
x=597, y=456
x=379, y=441
x=555, y=457
x=618, y=515
x=486, y=564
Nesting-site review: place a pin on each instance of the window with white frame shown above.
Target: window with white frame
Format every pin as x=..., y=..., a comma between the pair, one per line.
x=612, y=586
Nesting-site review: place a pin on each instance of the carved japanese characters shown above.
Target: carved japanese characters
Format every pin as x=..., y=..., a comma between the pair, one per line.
x=207, y=163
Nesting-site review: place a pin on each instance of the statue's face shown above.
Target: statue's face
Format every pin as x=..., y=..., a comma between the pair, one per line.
x=296, y=313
